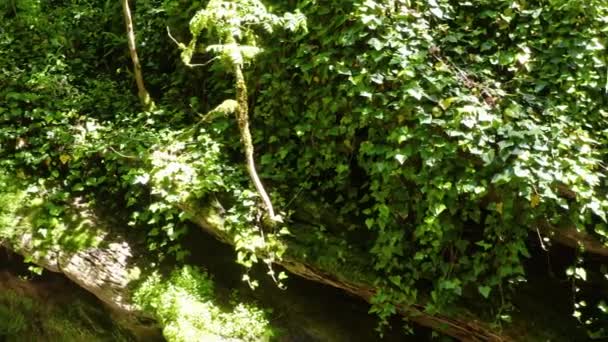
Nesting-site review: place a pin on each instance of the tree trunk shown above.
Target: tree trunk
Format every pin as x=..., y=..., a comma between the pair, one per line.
x=110, y=269
x=103, y=271
x=144, y=96
x=242, y=117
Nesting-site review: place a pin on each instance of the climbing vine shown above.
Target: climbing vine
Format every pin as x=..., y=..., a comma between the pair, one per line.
x=453, y=132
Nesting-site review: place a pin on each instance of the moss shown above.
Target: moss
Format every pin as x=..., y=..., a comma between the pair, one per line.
x=48, y=216
x=27, y=317
x=14, y=311
x=187, y=307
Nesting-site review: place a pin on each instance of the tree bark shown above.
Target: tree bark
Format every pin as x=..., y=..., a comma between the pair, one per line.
x=103, y=271
x=142, y=92
x=110, y=269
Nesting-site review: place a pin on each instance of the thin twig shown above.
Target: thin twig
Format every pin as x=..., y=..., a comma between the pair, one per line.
x=204, y=64
x=540, y=239
x=181, y=46
x=606, y=87
x=120, y=154
x=297, y=192
x=242, y=116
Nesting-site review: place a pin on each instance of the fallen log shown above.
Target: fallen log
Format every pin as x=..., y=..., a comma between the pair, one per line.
x=568, y=236
x=571, y=237
x=465, y=328
x=106, y=269
x=51, y=308
x=102, y=271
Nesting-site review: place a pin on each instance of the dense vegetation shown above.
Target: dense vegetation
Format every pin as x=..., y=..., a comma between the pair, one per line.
x=438, y=147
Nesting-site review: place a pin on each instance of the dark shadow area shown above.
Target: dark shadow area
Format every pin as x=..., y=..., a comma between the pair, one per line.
x=546, y=301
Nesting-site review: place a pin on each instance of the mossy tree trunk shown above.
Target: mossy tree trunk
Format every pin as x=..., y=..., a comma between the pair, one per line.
x=242, y=117
x=104, y=269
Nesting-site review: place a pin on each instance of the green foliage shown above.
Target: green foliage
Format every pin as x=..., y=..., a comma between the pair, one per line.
x=46, y=215
x=451, y=129
x=185, y=165
x=185, y=304
x=233, y=23
x=10, y=202
x=444, y=132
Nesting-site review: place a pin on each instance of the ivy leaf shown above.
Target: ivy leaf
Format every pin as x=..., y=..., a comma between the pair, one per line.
x=439, y=209
x=416, y=92
x=534, y=200
x=366, y=94
x=484, y=291
x=446, y=103
x=64, y=158
x=376, y=44
x=142, y=179
x=400, y=158
x=596, y=207
x=580, y=273
x=434, y=9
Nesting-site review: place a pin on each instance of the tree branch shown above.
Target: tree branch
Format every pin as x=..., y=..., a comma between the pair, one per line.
x=142, y=92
